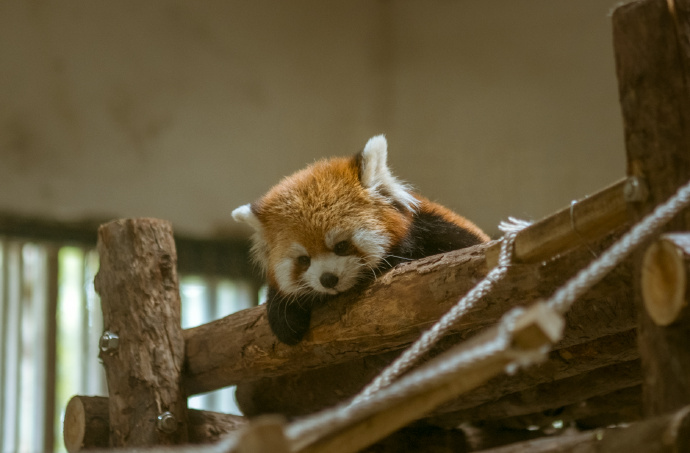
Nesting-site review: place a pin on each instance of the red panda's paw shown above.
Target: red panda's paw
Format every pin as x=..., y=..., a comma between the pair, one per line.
x=288, y=317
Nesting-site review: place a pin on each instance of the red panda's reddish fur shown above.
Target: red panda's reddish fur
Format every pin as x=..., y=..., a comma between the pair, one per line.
x=341, y=221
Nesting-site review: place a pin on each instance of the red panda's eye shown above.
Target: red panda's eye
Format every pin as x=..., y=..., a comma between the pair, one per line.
x=342, y=248
x=304, y=261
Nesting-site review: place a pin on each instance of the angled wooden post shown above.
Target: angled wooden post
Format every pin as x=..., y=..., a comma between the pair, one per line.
x=652, y=46
x=142, y=348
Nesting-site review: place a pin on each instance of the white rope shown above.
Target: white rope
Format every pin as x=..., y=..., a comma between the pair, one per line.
x=450, y=319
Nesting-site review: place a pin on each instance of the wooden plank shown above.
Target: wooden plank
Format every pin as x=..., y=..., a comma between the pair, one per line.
x=138, y=286
x=652, y=47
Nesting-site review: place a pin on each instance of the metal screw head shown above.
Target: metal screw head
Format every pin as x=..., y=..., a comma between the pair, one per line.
x=167, y=422
x=635, y=189
x=109, y=341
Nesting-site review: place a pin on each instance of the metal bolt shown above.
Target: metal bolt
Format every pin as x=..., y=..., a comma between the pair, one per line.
x=167, y=422
x=635, y=190
x=109, y=341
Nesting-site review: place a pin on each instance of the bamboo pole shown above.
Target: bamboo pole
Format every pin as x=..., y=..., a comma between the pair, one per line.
x=579, y=224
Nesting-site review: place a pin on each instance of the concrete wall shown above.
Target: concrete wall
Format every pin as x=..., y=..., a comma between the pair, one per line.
x=184, y=110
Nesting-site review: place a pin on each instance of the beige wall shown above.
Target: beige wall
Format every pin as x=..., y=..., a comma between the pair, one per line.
x=184, y=109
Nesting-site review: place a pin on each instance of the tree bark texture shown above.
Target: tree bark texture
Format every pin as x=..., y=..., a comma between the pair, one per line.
x=652, y=47
x=138, y=286
x=304, y=393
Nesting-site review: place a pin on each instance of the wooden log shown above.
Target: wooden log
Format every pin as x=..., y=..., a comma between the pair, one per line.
x=665, y=270
x=620, y=406
x=87, y=424
x=562, y=364
x=138, y=286
x=585, y=221
x=241, y=348
x=665, y=434
x=552, y=395
x=304, y=393
x=652, y=47
x=537, y=327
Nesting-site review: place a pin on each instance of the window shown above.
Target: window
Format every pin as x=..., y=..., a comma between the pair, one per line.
x=50, y=321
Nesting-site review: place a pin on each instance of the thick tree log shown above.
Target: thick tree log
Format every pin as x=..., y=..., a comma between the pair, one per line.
x=665, y=434
x=304, y=393
x=137, y=282
x=652, y=46
x=665, y=276
x=241, y=348
x=87, y=424
x=621, y=406
x=553, y=395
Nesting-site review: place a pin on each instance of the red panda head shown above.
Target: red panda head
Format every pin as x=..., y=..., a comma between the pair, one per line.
x=324, y=228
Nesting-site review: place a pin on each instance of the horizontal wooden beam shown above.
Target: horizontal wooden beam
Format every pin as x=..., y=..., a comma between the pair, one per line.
x=621, y=406
x=307, y=392
x=583, y=222
x=556, y=394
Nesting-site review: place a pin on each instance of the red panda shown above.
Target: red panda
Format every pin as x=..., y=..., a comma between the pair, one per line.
x=335, y=226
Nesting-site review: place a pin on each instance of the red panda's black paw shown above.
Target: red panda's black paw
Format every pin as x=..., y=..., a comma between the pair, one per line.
x=288, y=320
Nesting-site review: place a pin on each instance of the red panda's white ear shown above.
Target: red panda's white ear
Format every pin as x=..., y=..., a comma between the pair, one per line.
x=375, y=174
x=374, y=167
x=245, y=214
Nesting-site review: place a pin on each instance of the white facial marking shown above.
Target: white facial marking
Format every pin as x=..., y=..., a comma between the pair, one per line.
x=283, y=270
x=372, y=244
x=334, y=236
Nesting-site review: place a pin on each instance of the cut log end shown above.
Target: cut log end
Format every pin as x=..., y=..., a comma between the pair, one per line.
x=664, y=280
x=86, y=423
x=74, y=425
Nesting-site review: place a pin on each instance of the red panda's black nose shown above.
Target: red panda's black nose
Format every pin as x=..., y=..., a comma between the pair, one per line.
x=328, y=280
